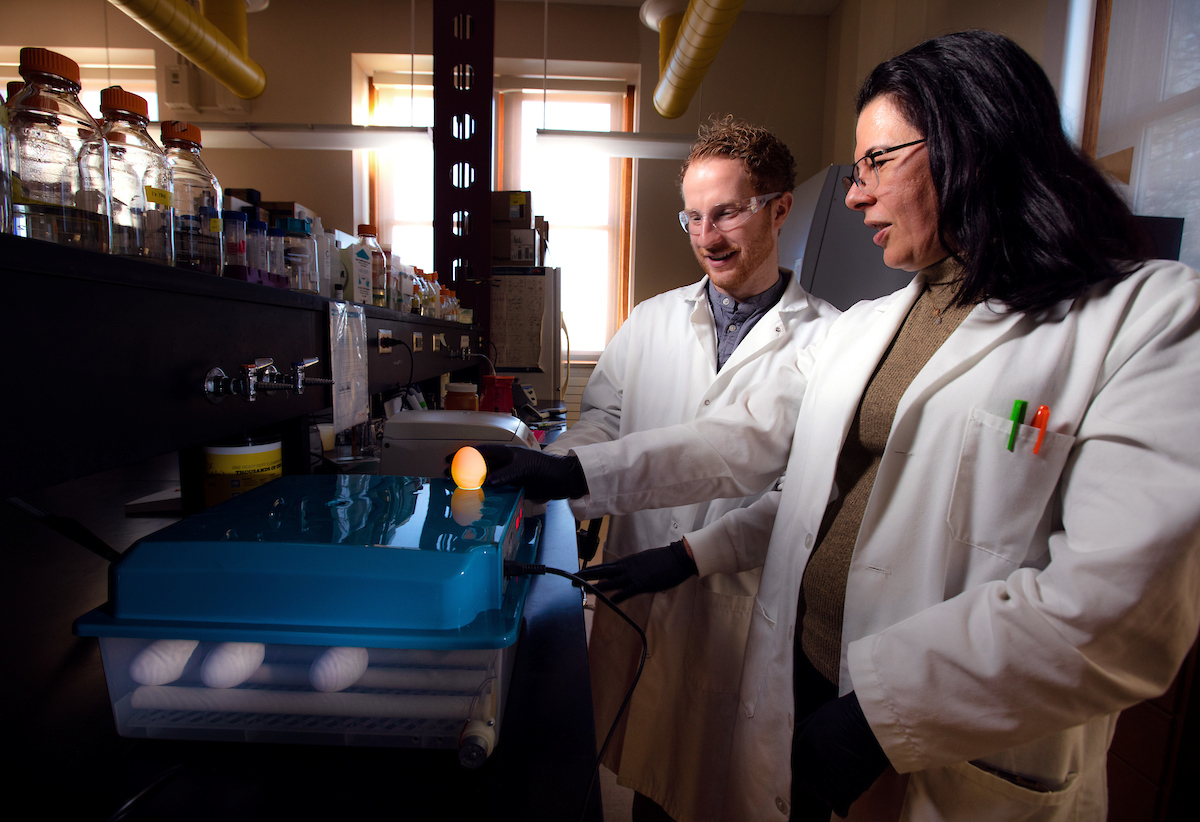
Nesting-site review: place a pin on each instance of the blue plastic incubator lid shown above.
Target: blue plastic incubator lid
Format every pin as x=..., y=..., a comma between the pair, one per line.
x=361, y=560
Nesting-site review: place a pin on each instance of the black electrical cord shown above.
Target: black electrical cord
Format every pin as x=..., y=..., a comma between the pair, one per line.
x=158, y=782
x=69, y=528
x=411, y=362
x=516, y=569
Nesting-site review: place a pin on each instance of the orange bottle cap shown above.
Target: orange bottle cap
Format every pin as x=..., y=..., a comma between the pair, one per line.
x=179, y=130
x=45, y=61
x=117, y=99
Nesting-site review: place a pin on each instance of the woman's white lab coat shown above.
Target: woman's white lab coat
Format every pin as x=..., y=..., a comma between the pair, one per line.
x=659, y=370
x=1002, y=606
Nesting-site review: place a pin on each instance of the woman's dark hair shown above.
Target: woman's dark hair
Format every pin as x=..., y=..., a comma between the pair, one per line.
x=1030, y=218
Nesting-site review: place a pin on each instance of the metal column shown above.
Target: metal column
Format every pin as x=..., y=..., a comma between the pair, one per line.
x=463, y=45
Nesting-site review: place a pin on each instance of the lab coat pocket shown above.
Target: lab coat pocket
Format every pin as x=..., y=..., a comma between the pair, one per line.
x=717, y=640
x=999, y=496
x=965, y=792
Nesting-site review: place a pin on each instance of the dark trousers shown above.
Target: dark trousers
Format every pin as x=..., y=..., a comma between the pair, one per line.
x=646, y=809
x=810, y=690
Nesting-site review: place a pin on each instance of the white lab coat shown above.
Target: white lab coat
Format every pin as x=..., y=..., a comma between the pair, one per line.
x=661, y=369
x=1001, y=607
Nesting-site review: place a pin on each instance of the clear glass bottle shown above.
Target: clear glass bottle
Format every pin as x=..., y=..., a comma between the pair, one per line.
x=430, y=296
x=142, y=212
x=59, y=159
x=234, y=232
x=300, y=255
x=5, y=177
x=198, y=245
x=368, y=235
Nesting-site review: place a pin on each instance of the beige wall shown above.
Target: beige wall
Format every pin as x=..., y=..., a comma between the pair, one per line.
x=863, y=33
x=796, y=75
x=770, y=71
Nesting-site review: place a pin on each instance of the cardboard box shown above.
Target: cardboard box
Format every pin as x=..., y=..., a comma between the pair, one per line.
x=515, y=246
x=512, y=209
x=250, y=195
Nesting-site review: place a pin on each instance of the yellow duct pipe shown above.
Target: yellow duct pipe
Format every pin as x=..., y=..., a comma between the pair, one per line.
x=229, y=16
x=204, y=43
x=701, y=33
x=668, y=30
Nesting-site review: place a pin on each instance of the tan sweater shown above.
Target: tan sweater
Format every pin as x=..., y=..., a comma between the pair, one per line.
x=823, y=589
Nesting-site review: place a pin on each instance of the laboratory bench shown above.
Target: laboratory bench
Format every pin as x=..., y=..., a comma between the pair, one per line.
x=70, y=760
x=107, y=359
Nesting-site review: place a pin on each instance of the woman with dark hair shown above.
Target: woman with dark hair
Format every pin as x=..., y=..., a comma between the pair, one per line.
x=988, y=540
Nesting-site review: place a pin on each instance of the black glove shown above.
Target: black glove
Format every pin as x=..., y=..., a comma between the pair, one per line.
x=835, y=754
x=643, y=573
x=543, y=476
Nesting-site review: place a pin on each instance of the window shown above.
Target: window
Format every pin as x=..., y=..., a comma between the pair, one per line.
x=584, y=199
x=99, y=68
x=579, y=195
x=400, y=93
x=1150, y=114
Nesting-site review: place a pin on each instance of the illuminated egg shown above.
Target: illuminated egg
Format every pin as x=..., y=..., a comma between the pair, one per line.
x=468, y=468
x=466, y=505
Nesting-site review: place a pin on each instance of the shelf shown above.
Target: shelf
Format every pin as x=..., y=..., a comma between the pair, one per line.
x=107, y=358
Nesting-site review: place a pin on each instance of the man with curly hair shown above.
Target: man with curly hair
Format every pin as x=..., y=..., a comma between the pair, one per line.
x=680, y=356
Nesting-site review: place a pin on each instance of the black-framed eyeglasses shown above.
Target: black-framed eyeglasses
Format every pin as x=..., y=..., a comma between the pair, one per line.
x=865, y=173
x=726, y=216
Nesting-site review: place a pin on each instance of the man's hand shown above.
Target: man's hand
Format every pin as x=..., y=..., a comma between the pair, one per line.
x=643, y=573
x=835, y=754
x=543, y=476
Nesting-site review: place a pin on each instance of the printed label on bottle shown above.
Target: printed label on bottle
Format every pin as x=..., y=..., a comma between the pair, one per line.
x=158, y=196
x=214, y=225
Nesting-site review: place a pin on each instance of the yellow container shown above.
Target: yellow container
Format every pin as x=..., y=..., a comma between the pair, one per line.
x=234, y=469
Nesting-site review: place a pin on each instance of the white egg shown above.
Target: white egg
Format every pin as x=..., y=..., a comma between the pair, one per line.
x=162, y=661
x=231, y=663
x=338, y=668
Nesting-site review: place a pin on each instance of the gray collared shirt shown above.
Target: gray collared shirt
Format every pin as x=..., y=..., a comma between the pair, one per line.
x=734, y=320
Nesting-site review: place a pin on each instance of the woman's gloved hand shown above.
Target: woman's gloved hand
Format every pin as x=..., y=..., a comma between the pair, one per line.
x=835, y=754
x=543, y=476
x=643, y=573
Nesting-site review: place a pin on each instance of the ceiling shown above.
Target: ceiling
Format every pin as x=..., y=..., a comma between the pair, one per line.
x=820, y=7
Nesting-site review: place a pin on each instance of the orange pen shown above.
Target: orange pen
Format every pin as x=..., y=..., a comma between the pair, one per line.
x=1040, y=419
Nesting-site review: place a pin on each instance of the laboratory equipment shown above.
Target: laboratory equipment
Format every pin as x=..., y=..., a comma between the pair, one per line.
x=337, y=610
x=299, y=254
x=235, y=234
x=256, y=245
x=418, y=443
x=368, y=236
x=5, y=177
x=198, y=244
x=276, y=259
x=59, y=157
x=142, y=210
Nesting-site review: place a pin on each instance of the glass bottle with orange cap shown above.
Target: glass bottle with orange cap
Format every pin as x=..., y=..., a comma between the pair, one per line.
x=59, y=157
x=142, y=215
x=197, y=198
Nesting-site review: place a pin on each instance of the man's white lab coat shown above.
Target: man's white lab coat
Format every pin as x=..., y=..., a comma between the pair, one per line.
x=1001, y=606
x=661, y=369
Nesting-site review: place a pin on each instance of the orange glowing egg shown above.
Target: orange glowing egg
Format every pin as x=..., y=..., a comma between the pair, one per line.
x=468, y=469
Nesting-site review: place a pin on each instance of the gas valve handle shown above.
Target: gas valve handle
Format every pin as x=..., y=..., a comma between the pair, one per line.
x=298, y=378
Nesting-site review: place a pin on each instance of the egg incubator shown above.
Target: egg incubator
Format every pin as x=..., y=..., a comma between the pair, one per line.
x=337, y=610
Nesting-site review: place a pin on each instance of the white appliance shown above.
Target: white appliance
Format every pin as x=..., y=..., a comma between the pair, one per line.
x=416, y=443
x=546, y=377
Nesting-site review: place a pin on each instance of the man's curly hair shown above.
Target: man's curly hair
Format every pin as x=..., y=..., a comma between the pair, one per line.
x=768, y=161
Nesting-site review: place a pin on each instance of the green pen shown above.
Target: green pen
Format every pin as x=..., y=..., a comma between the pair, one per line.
x=1018, y=419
